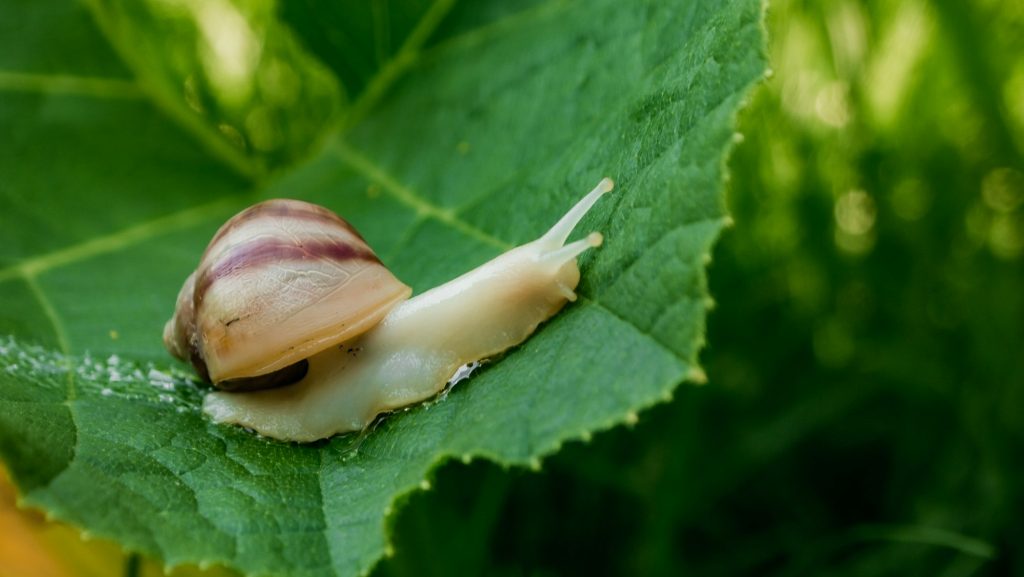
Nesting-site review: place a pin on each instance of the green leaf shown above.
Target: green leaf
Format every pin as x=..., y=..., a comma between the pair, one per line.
x=358, y=39
x=457, y=149
x=229, y=71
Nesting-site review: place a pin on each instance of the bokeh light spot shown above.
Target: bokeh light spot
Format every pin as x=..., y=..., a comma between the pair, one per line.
x=1003, y=189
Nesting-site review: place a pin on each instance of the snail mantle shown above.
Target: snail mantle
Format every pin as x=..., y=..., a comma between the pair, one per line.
x=306, y=334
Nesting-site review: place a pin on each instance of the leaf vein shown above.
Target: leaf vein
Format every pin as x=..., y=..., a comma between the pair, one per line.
x=498, y=27
x=94, y=87
x=323, y=514
x=121, y=239
x=602, y=308
x=172, y=107
x=404, y=195
x=406, y=56
x=55, y=321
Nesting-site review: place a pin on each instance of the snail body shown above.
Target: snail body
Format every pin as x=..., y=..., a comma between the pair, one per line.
x=408, y=356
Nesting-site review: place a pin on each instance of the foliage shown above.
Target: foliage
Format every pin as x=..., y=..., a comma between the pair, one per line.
x=471, y=137
x=862, y=416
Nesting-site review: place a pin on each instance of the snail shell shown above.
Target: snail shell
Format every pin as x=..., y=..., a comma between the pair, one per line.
x=279, y=282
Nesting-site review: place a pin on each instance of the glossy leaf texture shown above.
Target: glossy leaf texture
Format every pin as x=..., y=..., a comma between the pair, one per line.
x=473, y=135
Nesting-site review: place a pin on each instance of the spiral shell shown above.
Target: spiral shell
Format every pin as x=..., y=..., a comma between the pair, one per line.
x=279, y=282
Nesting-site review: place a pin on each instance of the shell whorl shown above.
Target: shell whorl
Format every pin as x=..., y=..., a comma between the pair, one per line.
x=279, y=282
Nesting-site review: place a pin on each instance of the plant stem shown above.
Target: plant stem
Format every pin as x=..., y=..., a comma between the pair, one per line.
x=132, y=565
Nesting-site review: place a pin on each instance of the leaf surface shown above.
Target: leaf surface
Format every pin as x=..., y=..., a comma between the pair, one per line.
x=479, y=140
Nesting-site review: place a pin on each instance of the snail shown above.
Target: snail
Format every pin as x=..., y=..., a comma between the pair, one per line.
x=306, y=334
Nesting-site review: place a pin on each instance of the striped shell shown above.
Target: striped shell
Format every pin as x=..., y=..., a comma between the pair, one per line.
x=279, y=282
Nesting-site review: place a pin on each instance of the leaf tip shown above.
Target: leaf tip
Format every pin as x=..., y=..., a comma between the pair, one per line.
x=697, y=376
x=632, y=418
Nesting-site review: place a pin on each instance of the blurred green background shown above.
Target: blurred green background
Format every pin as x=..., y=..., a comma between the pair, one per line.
x=864, y=412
